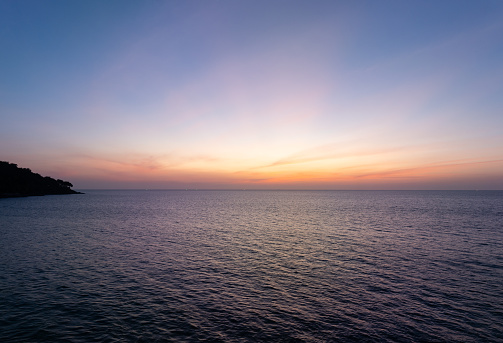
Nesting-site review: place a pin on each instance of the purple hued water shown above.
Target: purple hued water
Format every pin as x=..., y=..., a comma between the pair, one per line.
x=252, y=266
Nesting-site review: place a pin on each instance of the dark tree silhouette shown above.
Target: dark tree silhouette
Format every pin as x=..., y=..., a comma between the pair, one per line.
x=15, y=182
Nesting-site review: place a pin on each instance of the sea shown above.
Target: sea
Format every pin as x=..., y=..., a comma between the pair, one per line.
x=252, y=266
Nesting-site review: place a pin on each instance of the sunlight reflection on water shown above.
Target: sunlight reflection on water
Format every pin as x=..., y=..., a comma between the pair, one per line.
x=236, y=266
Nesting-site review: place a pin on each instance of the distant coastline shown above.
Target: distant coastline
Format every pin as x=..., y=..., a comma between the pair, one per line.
x=22, y=182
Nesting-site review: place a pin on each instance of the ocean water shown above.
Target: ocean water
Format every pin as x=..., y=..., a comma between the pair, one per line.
x=252, y=266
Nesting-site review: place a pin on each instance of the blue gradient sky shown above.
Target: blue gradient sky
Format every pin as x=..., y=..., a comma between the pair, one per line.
x=254, y=94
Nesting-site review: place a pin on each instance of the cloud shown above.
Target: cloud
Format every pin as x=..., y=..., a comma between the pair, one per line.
x=330, y=152
x=437, y=169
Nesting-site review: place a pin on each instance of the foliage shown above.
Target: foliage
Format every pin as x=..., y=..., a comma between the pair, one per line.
x=15, y=181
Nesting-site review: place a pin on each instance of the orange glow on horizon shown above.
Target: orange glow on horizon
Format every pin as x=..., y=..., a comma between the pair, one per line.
x=152, y=173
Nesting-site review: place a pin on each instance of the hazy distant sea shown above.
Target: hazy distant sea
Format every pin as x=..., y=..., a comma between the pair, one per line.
x=252, y=266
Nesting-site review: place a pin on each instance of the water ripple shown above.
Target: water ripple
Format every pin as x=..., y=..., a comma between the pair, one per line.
x=218, y=266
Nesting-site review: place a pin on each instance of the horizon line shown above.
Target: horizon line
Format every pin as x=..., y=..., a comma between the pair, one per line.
x=296, y=190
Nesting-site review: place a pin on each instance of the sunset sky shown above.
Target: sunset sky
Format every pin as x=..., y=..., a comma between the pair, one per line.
x=270, y=94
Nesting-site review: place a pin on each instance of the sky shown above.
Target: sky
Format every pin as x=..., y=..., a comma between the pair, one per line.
x=216, y=94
